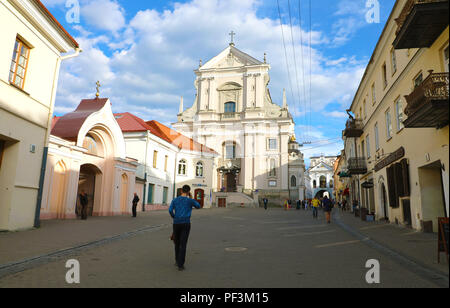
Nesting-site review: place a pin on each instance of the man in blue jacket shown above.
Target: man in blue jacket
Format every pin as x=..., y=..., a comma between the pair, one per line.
x=180, y=209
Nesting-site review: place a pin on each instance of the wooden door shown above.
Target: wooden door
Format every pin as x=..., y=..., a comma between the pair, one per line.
x=222, y=202
x=199, y=196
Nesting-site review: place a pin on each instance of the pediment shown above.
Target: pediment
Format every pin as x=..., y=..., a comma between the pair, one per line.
x=321, y=167
x=230, y=57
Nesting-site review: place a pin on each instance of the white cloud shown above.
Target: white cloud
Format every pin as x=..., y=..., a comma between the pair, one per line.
x=145, y=65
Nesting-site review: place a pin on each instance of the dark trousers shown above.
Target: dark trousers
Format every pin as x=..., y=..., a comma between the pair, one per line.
x=265, y=206
x=315, y=212
x=134, y=210
x=181, y=235
x=83, y=212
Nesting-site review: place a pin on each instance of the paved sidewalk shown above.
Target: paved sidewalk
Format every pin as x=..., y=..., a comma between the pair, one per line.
x=415, y=245
x=55, y=235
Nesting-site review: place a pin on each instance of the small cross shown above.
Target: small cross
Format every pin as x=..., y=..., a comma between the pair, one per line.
x=232, y=34
x=98, y=89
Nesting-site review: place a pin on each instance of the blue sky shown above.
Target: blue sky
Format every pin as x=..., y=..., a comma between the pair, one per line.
x=144, y=54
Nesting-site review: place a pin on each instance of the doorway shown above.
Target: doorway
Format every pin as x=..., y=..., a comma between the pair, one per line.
x=222, y=202
x=58, y=191
x=230, y=182
x=384, y=202
x=86, y=183
x=200, y=196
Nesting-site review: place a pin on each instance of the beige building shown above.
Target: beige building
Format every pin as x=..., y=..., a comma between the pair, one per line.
x=167, y=161
x=397, y=140
x=32, y=44
x=233, y=113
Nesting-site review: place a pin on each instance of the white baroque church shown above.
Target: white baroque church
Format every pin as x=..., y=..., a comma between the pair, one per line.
x=233, y=113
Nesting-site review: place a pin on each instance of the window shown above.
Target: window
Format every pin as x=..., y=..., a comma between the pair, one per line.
x=418, y=80
x=314, y=184
x=272, y=167
x=19, y=64
x=155, y=159
x=368, y=146
x=151, y=189
x=363, y=148
x=323, y=182
x=230, y=151
x=272, y=183
x=374, y=97
x=182, y=167
x=331, y=184
x=90, y=145
x=365, y=109
x=446, y=60
x=377, y=138
x=399, y=114
x=272, y=144
x=230, y=107
x=384, y=72
x=166, y=160
x=388, y=124
x=165, y=194
x=2, y=148
x=393, y=61
x=199, y=169
x=293, y=181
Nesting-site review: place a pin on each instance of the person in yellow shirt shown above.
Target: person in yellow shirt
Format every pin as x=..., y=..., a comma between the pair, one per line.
x=315, y=207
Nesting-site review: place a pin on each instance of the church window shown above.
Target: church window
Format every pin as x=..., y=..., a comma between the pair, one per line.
x=323, y=182
x=90, y=144
x=272, y=144
x=272, y=167
x=293, y=181
x=230, y=151
x=182, y=167
x=199, y=169
x=331, y=184
x=230, y=107
x=314, y=184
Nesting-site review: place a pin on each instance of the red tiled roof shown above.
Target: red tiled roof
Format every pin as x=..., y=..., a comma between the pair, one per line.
x=56, y=22
x=68, y=126
x=177, y=139
x=131, y=123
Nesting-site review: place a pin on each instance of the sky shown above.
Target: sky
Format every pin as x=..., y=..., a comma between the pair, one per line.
x=144, y=53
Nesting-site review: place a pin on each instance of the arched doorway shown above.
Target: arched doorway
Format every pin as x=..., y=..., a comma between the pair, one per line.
x=322, y=193
x=58, y=191
x=199, y=196
x=124, y=194
x=87, y=183
x=384, y=201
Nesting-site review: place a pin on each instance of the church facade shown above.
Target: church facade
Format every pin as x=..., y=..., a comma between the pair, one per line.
x=321, y=176
x=233, y=113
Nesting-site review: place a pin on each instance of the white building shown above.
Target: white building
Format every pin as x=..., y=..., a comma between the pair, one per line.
x=168, y=161
x=32, y=45
x=233, y=113
x=320, y=176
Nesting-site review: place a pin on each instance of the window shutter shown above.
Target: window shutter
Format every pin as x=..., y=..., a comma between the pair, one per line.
x=399, y=185
x=393, y=200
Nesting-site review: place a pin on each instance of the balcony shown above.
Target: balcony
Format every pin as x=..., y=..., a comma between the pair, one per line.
x=230, y=116
x=356, y=166
x=420, y=23
x=427, y=105
x=354, y=128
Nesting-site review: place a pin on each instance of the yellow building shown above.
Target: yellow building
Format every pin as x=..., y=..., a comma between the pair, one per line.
x=32, y=44
x=397, y=142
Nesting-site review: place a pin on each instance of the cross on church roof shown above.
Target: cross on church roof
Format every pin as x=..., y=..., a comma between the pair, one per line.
x=232, y=34
x=98, y=89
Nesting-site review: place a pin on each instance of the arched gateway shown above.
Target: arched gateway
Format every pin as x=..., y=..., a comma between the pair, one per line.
x=90, y=143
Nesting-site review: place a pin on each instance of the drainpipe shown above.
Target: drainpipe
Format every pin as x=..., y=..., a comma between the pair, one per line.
x=37, y=214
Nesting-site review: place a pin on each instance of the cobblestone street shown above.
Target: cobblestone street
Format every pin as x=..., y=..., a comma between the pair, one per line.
x=230, y=248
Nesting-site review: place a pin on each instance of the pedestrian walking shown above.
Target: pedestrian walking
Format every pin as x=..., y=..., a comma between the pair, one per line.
x=265, y=201
x=299, y=204
x=286, y=205
x=315, y=207
x=135, y=203
x=180, y=210
x=84, y=200
x=327, y=207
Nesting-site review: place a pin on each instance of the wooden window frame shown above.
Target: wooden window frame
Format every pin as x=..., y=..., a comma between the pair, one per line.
x=2, y=150
x=155, y=159
x=16, y=59
x=166, y=159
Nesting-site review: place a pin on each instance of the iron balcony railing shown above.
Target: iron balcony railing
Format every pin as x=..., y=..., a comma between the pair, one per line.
x=407, y=10
x=353, y=128
x=434, y=87
x=357, y=165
